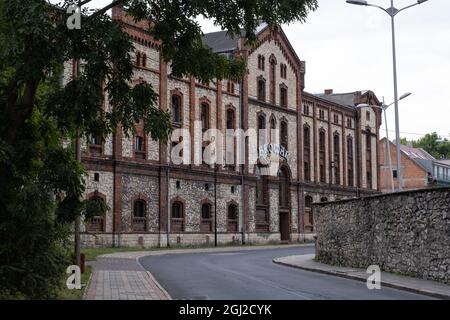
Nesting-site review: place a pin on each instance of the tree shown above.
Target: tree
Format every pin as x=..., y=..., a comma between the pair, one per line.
x=433, y=144
x=41, y=185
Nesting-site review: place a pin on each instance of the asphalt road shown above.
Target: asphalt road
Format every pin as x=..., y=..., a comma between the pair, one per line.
x=251, y=275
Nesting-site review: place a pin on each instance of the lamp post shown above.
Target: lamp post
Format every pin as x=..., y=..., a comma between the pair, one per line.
x=392, y=12
x=384, y=107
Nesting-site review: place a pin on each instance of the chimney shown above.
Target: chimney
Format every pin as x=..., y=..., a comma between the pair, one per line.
x=328, y=91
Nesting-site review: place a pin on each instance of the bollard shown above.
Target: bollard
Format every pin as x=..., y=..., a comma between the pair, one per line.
x=82, y=258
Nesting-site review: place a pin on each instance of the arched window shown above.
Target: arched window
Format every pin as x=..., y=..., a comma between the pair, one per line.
x=261, y=89
x=261, y=130
x=350, y=176
x=206, y=221
x=309, y=219
x=230, y=119
x=322, y=156
x=369, y=158
x=177, y=219
x=336, y=158
x=283, y=190
x=284, y=134
x=283, y=97
x=204, y=116
x=144, y=60
x=273, y=126
x=138, y=59
x=232, y=218
x=273, y=73
x=307, y=152
x=139, y=222
x=176, y=109
x=97, y=223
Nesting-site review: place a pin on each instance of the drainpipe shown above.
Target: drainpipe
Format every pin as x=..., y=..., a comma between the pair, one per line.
x=241, y=125
x=168, y=205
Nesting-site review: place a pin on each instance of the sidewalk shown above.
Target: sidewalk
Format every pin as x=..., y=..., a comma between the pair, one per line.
x=120, y=276
x=425, y=287
x=120, y=279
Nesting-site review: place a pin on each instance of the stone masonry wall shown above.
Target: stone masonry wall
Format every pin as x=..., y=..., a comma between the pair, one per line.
x=407, y=233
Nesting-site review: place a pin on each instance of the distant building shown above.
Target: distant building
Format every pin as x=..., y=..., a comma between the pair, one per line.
x=416, y=166
x=441, y=172
x=419, y=168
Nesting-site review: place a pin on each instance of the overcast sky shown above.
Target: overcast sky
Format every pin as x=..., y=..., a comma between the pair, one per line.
x=348, y=48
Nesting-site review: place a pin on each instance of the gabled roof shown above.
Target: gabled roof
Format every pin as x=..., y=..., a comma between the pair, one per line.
x=416, y=153
x=351, y=99
x=221, y=41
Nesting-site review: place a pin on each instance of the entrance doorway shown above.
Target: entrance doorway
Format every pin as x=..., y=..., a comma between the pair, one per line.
x=284, y=226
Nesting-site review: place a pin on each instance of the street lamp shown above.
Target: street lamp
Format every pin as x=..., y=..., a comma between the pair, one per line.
x=384, y=107
x=392, y=12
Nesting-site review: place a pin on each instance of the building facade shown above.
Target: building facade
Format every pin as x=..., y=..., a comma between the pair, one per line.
x=326, y=149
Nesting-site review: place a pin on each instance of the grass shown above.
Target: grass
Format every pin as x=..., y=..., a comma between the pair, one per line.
x=66, y=294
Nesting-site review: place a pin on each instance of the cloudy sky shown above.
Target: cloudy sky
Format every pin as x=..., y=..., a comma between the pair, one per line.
x=348, y=48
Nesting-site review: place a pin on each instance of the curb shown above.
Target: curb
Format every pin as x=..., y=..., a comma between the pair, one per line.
x=152, y=278
x=386, y=284
x=144, y=253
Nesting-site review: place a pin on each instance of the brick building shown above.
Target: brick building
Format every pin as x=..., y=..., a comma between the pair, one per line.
x=328, y=151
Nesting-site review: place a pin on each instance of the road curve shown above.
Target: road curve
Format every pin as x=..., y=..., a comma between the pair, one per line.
x=244, y=275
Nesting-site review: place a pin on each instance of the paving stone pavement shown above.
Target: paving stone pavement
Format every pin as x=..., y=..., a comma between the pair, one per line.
x=119, y=279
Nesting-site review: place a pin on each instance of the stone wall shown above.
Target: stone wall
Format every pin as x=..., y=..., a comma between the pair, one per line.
x=406, y=233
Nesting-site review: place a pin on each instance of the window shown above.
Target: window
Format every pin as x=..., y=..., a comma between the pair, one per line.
x=229, y=142
x=232, y=215
x=206, y=221
x=307, y=152
x=336, y=159
x=336, y=119
x=283, y=71
x=368, y=115
x=261, y=62
x=283, y=188
x=273, y=64
x=322, y=177
x=284, y=134
x=273, y=126
x=139, y=144
x=261, y=89
x=138, y=59
x=144, y=60
x=97, y=176
x=261, y=190
x=139, y=222
x=97, y=223
x=306, y=109
x=177, y=220
x=261, y=130
x=230, y=119
x=230, y=87
x=350, y=176
x=321, y=114
x=204, y=116
x=95, y=140
x=349, y=123
x=324, y=199
x=394, y=174
x=369, y=157
x=283, y=97
x=176, y=109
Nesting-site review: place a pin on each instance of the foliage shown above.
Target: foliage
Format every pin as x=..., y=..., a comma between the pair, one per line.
x=41, y=185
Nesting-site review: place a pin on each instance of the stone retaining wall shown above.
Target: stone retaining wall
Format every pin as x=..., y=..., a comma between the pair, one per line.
x=406, y=233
